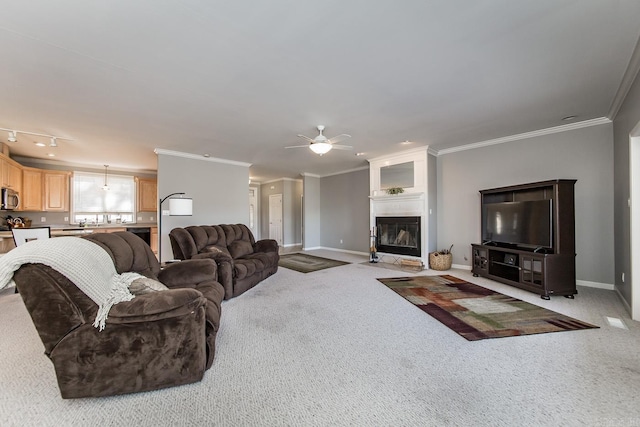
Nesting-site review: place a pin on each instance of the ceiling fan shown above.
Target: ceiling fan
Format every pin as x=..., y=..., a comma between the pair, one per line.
x=321, y=144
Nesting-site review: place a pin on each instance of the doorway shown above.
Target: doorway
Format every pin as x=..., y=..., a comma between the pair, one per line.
x=275, y=218
x=634, y=215
x=254, y=212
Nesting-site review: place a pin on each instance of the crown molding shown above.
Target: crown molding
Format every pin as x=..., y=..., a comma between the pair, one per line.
x=518, y=137
x=199, y=157
x=312, y=175
x=282, y=179
x=346, y=171
x=627, y=81
x=420, y=149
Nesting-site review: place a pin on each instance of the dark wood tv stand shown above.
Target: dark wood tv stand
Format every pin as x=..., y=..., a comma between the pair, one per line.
x=548, y=272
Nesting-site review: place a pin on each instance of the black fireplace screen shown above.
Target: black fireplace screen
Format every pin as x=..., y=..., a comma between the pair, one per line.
x=398, y=235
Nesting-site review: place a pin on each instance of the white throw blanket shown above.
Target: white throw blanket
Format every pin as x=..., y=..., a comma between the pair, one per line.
x=83, y=262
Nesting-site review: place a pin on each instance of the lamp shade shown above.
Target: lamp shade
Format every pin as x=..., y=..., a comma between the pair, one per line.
x=320, y=147
x=180, y=207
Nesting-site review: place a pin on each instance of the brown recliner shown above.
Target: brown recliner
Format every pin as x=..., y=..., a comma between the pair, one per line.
x=242, y=262
x=156, y=340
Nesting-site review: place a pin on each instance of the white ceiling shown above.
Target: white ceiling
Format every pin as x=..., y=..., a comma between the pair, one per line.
x=239, y=80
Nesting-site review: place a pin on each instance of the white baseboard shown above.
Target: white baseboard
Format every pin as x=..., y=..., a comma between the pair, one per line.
x=598, y=285
x=624, y=301
x=312, y=248
x=461, y=266
x=290, y=245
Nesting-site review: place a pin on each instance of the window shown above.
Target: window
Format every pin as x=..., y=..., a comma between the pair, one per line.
x=93, y=204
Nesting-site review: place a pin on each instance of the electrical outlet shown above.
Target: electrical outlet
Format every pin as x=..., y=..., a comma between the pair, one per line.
x=165, y=212
x=66, y=218
x=340, y=241
x=139, y=218
x=623, y=277
x=150, y=218
x=43, y=219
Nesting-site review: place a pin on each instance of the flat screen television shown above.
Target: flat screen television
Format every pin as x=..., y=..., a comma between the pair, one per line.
x=528, y=224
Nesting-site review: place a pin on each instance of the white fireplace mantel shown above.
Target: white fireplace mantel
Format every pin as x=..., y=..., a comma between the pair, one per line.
x=413, y=202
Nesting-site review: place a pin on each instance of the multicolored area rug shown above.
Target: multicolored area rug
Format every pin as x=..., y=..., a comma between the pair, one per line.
x=305, y=263
x=478, y=313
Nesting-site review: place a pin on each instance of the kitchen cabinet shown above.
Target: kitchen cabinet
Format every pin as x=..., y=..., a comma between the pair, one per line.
x=108, y=230
x=147, y=195
x=56, y=190
x=154, y=240
x=32, y=197
x=11, y=174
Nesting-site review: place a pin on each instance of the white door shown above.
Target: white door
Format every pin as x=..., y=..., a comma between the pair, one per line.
x=275, y=218
x=254, y=218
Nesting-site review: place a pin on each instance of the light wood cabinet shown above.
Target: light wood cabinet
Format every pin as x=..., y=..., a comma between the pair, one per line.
x=147, y=195
x=108, y=230
x=154, y=240
x=11, y=175
x=32, y=197
x=56, y=191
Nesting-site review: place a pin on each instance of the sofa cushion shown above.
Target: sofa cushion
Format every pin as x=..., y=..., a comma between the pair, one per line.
x=145, y=286
x=215, y=249
x=240, y=248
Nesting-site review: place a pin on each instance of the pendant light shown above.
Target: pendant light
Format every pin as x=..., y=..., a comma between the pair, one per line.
x=105, y=186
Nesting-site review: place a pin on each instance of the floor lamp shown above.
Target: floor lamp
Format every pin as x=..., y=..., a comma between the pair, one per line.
x=177, y=207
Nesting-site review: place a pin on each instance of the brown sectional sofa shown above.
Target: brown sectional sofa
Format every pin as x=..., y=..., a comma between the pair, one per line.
x=242, y=262
x=156, y=340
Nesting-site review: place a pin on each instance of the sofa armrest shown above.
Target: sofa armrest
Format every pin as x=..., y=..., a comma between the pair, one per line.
x=225, y=269
x=188, y=273
x=218, y=257
x=156, y=305
x=265, y=245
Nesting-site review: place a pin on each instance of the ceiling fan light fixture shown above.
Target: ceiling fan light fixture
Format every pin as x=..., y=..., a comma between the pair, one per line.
x=320, y=147
x=40, y=144
x=12, y=136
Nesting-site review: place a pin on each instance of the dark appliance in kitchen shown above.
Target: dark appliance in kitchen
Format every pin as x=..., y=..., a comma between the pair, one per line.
x=143, y=232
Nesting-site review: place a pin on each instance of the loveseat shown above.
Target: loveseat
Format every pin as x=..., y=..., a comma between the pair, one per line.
x=242, y=262
x=156, y=340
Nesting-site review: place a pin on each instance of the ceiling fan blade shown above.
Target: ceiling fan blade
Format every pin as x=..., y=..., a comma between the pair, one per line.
x=306, y=137
x=342, y=147
x=338, y=138
x=298, y=146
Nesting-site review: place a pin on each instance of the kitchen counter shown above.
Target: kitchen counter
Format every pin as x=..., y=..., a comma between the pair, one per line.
x=70, y=230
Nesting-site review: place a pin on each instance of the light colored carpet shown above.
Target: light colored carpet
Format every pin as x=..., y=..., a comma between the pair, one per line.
x=339, y=348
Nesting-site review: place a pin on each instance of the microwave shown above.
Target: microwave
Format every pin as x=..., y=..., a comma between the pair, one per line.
x=9, y=199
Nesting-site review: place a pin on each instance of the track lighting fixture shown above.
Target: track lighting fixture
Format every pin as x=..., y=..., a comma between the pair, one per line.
x=13, y=136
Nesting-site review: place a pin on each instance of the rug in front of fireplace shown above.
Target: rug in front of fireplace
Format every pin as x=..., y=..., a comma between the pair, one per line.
x=478, y=313
x=305, y=263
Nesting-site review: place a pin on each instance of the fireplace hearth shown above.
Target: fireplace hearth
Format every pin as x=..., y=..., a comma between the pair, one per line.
x=398, y=235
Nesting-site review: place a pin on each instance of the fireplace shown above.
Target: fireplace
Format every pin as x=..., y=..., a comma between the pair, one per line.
x=398, y=235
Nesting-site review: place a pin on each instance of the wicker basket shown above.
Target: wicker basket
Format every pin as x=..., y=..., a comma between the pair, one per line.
x=440, y=262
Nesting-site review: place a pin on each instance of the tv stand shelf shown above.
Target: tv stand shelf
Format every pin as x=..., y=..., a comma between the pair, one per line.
x=548, y=272
x=544, y=274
